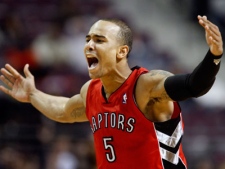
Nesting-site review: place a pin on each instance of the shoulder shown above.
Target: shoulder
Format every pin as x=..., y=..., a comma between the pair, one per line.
x=151, y=96
x=150, y=86
x=159, y=73
x=84, y=90
x=153, y=77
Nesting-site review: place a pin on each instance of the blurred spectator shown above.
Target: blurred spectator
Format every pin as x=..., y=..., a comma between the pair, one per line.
x=16, y=46
x=205, y=164
x=10, y=158
x=60, y=155
x=76, y=30
x=49, y=47
x=218, y=13
x=222, y=165
x=213, y=9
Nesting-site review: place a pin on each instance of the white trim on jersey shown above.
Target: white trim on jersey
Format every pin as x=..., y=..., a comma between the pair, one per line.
x=169, y=156
x=172, y=140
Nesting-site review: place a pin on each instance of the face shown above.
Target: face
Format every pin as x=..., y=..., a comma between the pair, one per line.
x=101, y=49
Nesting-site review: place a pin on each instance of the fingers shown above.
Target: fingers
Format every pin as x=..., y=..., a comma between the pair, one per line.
x=211, y=28
x=10, y=74
x=12, y=71
x=5, y=90
x=212, y=34
x=6, y=81
x=26, y=71
x=7, y=75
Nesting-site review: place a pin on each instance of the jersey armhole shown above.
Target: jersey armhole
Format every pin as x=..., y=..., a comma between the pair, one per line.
x=176, y=111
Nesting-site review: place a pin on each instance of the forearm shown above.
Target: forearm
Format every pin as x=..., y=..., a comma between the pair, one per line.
x=51, y=106
x=195, y=84
x=204, y=75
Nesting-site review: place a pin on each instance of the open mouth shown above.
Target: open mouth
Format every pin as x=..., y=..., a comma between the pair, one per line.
x=92, y=62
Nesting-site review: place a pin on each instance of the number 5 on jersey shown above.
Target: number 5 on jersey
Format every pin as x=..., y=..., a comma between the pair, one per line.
x=110, y=153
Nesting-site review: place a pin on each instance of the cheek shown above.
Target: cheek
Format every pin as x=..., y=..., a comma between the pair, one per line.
x=110, y=62
x=108, y=55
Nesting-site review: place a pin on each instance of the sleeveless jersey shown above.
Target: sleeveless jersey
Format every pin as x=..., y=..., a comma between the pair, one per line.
x=124, y=138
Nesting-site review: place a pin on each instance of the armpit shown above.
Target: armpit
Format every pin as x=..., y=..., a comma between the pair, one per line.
x=165, y=96
x=158, y=110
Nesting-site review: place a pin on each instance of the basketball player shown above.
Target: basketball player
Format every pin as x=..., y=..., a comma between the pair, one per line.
x=133, y=113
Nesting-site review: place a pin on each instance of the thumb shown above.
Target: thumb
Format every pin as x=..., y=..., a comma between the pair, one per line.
x=27, y=71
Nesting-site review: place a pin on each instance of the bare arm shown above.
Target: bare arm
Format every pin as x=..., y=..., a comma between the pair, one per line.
x=155, y=81
x=156, y=90
x=151, y=96
x=60, y=109
x=76, y=106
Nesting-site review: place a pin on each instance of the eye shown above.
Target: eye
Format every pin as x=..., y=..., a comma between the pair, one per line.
x=99, y=41
x=87, y=40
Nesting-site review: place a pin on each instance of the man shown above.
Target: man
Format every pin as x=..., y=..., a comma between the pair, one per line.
x=133, y=113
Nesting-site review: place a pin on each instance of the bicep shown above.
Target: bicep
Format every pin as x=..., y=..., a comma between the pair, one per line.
x=76, y=105
x=154, y=83
x=152, y=97
x=75, y=109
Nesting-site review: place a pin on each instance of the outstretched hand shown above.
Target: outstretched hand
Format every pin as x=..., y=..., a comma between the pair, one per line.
x=212, y=35
x=17, y=86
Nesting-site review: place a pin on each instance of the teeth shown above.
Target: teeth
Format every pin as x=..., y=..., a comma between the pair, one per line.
x=93, y=65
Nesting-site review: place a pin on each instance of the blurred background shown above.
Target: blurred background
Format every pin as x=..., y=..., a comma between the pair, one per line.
x=50, y=35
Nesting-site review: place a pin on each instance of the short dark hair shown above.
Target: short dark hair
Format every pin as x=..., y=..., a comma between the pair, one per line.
x=125, y=32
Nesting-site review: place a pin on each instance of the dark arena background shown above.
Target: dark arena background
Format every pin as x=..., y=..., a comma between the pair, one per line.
x=50, y=34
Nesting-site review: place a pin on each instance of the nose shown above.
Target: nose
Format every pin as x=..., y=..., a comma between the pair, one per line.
x=90, y=45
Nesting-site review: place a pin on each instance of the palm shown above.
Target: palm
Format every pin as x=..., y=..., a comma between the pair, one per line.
x=21, y=89
x=213, y=36
x=209, y=42
x=214, y=47
x=18, y=87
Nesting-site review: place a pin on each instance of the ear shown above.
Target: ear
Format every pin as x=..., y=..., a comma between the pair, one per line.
x=122, y=51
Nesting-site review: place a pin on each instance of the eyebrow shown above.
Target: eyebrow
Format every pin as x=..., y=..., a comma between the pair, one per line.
x=97, y=36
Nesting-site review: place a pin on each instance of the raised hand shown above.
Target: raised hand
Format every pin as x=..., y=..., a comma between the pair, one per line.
x=17, y=86
x=213, y=35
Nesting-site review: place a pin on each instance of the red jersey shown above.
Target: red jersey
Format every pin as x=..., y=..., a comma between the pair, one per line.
x=124, y=138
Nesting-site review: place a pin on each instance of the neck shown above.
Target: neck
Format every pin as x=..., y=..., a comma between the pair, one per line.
x=113, y=81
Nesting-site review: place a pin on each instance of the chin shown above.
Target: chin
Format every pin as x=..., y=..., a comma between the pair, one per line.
x=93, y=76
